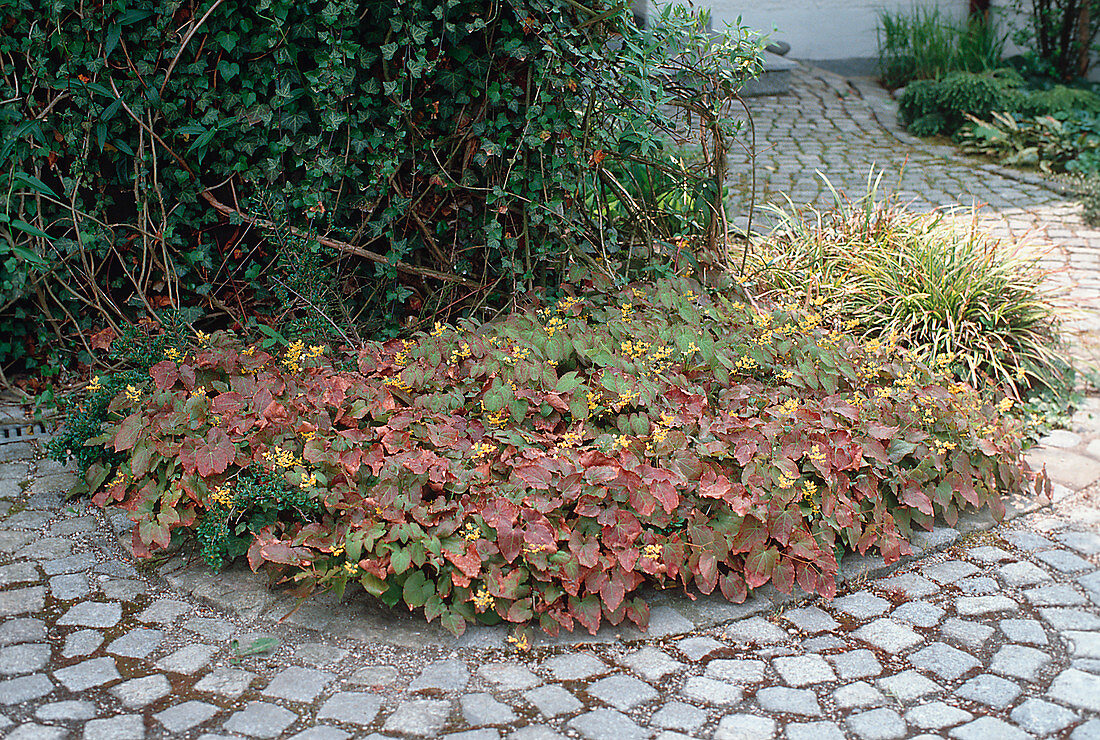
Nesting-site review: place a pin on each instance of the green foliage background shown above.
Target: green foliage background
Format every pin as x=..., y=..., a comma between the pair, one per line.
x=387, y=158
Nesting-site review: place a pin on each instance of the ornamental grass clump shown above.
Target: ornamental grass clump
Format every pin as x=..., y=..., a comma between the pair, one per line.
x=950, y=294
x=546, y=466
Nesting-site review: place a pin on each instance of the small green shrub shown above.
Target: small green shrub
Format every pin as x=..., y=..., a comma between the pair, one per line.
x=949, y=294
x=1051, y=143
x=941, y=106
x=546, y=466
x=925, y=44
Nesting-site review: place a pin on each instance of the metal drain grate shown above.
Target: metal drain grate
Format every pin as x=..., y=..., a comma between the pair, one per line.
x=23, y=432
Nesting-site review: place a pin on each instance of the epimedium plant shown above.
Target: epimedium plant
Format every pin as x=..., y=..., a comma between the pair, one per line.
x=545, y=466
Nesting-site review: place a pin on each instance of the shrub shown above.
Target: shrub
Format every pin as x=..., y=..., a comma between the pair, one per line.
x=548, y=465
x=925, y=44
x=953, y=296
x=355, y=158
x=941, y=106
x=1089, y=190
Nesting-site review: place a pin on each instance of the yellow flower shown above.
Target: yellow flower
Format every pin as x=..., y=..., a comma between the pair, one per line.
x=652, y=552
x=522, y=643
x=95, y=384
x=308, y=482
x=172, y=353
x=484, y=600
x=133, y=393
x=571, y=438
x=351, y=568
x=816, y=455
x=471, y=532
x=224, y=496
x=483, y=448
x=250, y=351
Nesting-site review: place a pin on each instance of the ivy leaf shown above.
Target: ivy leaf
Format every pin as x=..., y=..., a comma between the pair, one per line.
x=417, y=589
x=128, y=432
x=759, y=565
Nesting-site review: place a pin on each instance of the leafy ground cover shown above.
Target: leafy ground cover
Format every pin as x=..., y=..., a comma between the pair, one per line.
x=546, y=466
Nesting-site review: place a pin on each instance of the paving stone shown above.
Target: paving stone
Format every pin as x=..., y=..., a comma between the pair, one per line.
x=991, y=690
x=92, y=614
x=697, y=648
x=851, y=664
x=1086, y=543
x=483, y=709
x=949, y=571
x=354, y=708
x=1077, y=688
x=164, y=611
x=552, y=700
x=877, y=724
x=300, y=684
x=1091, y=582
x=514, y=676
x=30, y=600
x=803, y=670
x=985, y=728
x=69, y=586
x=11, y=541
x=1041, y=717
x=745, y=727
x=122, y=727
x=17, y=573
x=1088, y=731
x=24, y=658
x=324, y=732
x=1064, y=561
x=936, y=716
x=711, y=691
x=910, y=585
x=24, y=688
x=137, y=692
x=976, y=606
x=1070, y=619
x=215, y=630
x=1019, y=661
x=943, y=660
x=122, y=589
x=861, y=605
x=756, y=631
x=261, y=719
x=1023, y=573
x=1055, y=594
x=907, y=685
x=919, y=613
x=375, y=675
x=188, y=659
x=66, y=710
x=1024, y=630
x=971, y=634
x=83, y=676
x=319, y=654
x=78, y=563
x=46, y=548
x=889, y=635
x=607, y=724
x=183, y=717
x=989, y=555
x=813, y=731
x=676, y=715
x=822, y=643
x=1083, y=644
x=574, y=666
x=622, y=691
x=33, y=731
x=791, y=701
x=978, y=585
x=229, y=682
x=80, y=643
x=811, y=619
x=858, y=694
x=137, y=643
x=736, y=670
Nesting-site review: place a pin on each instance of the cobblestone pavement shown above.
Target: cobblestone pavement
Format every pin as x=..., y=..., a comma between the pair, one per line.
x=992, y=633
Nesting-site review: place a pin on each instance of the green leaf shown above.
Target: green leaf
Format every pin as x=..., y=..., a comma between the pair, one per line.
x=35, y=184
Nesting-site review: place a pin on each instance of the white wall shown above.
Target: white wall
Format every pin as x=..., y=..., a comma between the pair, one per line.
x=821, y=29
